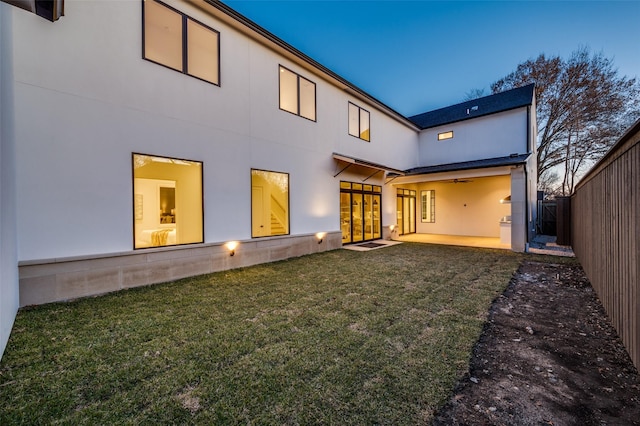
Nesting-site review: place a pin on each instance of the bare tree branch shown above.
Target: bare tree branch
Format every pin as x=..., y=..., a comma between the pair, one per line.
x=582, y=108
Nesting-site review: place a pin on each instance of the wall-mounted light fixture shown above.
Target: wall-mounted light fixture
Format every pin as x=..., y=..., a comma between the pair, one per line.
x=320, y=236
x=506, y=200
x=231, y=246
x=392, y=228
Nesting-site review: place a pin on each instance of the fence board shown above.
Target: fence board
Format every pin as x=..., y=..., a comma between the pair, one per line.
x=606, y=234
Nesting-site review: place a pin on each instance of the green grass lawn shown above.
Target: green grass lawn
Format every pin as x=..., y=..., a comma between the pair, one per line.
x=341, y=337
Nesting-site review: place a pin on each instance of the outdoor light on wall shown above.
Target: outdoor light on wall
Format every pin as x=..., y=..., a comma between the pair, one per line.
x=392, y=228
x=320, y=236
x=231, y=246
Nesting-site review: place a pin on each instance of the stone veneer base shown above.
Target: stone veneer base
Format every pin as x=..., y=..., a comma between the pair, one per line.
x=55, y=280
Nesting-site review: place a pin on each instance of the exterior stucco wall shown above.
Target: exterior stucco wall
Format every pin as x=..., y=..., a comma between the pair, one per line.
x=492, y=136
x=80, y=118
x=8, y=250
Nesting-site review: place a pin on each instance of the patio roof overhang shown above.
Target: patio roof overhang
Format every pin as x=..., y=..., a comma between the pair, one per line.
x=512, y=160
x=352, y=161
x=490, y=167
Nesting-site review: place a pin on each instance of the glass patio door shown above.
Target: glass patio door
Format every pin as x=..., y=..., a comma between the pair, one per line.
x=406, y=211
x=360, y=207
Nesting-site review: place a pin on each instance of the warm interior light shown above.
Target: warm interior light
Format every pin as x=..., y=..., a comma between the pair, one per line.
x=320, y=236
x=231, y=246
x=445, y=135
x=506, y=200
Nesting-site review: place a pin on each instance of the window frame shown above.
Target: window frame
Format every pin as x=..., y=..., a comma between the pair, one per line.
x=360, y=111
x=432, y=206
x=288, y=202
x=184, y=43
x=298, y=92
x=133, y=199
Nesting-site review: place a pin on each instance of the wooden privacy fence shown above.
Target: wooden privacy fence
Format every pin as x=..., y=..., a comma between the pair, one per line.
x=606, y=235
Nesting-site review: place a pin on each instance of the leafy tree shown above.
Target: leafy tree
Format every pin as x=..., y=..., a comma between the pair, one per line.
x=583, y=106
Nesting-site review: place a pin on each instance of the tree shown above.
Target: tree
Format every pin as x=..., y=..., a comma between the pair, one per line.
x=474, y=94
x=582, y=106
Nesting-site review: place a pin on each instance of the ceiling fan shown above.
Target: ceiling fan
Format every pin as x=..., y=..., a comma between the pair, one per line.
x=458, y=181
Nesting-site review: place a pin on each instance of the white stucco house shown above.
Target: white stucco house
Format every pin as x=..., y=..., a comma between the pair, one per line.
x=144, y=141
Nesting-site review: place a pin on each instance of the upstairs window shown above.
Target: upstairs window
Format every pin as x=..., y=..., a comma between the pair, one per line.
x=297, y=94
x=174, y=40
x=445, y=135
x=359, y=122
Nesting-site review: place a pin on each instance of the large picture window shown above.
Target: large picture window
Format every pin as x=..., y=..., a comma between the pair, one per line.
x=167, y=201
x=359, y=122
x=181, y=43
x=428, y=204
x=269, y=203
x=297, y=94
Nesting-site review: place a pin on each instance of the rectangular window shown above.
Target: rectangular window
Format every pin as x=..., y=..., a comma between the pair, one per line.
x=428, y=201
x=359, y=122
x=167, y=201
x=269, y=203
x=445, y=135
x=174, y=40
x=297, y=94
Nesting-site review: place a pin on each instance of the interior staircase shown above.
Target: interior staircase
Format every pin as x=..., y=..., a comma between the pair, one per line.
x=277, y=228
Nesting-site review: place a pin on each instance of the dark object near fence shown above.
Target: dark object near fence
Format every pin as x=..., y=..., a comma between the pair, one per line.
x=547, y=217
x=563, y=221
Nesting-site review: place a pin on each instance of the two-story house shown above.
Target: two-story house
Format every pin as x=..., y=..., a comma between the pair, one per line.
x=144, y=141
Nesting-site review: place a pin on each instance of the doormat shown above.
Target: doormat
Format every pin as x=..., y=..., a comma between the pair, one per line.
x=371, y=245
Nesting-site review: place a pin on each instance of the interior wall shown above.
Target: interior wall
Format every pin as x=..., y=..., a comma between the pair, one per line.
x=470, y=208
x=148, y=189
x=9, y=294
x=188, y=196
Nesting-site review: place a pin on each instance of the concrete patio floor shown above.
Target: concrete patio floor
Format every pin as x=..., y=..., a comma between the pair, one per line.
x=454, y=240
x=541, y=244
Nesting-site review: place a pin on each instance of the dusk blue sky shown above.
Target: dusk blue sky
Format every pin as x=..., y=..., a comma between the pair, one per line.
x=416, y=56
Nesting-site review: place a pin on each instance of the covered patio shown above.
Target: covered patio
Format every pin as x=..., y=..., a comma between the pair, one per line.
x=475, y=204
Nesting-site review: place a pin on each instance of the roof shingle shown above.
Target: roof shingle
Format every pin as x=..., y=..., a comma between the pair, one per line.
x=503, y=101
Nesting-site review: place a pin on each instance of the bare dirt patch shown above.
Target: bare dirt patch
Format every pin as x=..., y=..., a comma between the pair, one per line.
x=547, y=356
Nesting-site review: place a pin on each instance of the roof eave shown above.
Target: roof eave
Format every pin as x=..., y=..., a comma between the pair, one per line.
x=270, y=40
